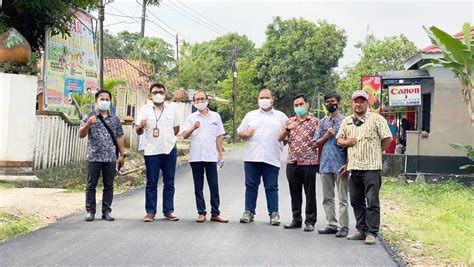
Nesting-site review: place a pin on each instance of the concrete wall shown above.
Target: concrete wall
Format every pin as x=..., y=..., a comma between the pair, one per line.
x=450, y=122
x=17, y=120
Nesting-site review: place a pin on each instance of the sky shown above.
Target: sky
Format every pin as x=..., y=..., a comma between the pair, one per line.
x=190, y=19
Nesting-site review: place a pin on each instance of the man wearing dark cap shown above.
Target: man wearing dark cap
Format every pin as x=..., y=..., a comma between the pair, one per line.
x=366, y=135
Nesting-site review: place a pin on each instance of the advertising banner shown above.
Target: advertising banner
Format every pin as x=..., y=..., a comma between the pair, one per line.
x=373, y=86
x=71, y=64
x=404, y=95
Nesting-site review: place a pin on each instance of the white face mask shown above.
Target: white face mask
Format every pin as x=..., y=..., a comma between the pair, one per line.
x=201, y=106
x=159, y=98
x=103, y=105
x=265, y=103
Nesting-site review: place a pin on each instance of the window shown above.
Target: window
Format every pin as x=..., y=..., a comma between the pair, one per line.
x=426, y=112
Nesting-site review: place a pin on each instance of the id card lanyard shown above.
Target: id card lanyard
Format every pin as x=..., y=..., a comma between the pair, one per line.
x=156, y=131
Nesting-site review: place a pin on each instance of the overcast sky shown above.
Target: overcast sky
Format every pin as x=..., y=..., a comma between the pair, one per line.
x=250, y=18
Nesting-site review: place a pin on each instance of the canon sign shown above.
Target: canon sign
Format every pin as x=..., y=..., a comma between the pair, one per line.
x=404, y=95
x=404, y=91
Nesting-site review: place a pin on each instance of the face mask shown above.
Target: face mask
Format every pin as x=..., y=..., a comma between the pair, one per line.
x=201, y=106
x=264, y=103
x=103, y=105
x=331, y=107
x=300, y=111
x=159, y=98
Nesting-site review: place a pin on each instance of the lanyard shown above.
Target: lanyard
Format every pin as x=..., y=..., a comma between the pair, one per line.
x=157, y=119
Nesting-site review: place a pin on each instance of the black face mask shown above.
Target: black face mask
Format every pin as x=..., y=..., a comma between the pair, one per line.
x=331, y=107
x=357, y=121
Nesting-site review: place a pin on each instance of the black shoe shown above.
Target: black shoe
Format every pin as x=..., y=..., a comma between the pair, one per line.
x=343, y=232
x=292, y=225
x=309, y=228
x=327, y=230
x=106, y=216
x=89, y=217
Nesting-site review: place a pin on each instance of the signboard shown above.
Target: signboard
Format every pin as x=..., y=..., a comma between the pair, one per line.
x=404, y=95
x=70, y=64
x=373, y=86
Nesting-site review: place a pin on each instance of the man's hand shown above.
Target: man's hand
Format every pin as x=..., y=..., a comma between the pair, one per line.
x=91, y=120
x=330, y=133
x=197, y=124
x=249, y=133
x=343, y=172
x=351, y=141
x=142, y=124
x=290, y=124
x=120, y=161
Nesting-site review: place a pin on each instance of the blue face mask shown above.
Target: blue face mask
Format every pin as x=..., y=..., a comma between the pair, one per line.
x=103, y=105
x=300, y=111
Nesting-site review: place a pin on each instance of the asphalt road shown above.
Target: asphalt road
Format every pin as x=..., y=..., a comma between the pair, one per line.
x=130, y=241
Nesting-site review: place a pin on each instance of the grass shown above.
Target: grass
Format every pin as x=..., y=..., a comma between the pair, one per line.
x=6, y=185
x=12, y=226
x=435, y=221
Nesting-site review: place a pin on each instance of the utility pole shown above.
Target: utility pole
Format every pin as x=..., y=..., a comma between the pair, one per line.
x=101, y=45
x=234, y=95
x=177, y=57
x=142, y=32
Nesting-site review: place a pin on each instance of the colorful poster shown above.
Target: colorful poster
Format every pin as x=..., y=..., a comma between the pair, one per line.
x=404, y=95
x=71, y=63
x=373, y=86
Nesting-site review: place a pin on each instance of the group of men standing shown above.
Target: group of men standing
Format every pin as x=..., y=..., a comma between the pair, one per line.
x=334, y=146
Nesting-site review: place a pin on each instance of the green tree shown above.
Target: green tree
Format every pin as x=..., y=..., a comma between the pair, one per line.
x=202, y=65
x=298, y=56
x=155, y=51
x=458, y=57
x=247, y=92
x=32, y=17
x=377, y=55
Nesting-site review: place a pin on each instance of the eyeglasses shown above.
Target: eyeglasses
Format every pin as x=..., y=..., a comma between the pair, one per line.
x=158, y=92
x=200, y=99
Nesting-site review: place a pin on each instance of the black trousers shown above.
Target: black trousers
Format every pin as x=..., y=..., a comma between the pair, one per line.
x=108, y=173
x=198, y=169
x=364, y=188
x=299, y=177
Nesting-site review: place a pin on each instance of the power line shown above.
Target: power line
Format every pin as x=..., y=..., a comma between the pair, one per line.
x=136, y=20
x=202, y=16
x=209, y=25
x=190, y=18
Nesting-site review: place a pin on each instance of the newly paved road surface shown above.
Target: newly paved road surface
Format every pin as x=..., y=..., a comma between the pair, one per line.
x=130, y=241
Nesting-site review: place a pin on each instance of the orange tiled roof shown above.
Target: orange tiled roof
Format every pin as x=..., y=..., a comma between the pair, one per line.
x=119, y=68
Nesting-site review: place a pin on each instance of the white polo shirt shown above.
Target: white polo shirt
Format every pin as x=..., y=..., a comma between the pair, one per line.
x=264, y=146
x=165, y=142
x=203, y=139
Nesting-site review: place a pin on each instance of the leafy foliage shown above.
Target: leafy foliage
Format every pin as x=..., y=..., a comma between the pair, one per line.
x=298, y=56
x=32, y=17
x=458, y=56
x=203, y=65
x=469, y=151
x=247, y=92
x=377, y=55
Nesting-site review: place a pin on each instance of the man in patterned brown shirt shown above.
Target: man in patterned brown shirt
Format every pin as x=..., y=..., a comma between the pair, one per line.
x=366, y=135
x=302, y=163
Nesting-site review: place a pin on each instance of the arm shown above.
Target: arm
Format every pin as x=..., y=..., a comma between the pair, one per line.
x=346, y=142
x=384, y=132
x=189, y=127
x=219, y=141
x=283, y=133
x=386, y=143
x=176, y=130
x=84, y=130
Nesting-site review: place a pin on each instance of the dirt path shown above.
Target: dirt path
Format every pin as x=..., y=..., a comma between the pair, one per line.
x=44, y=204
